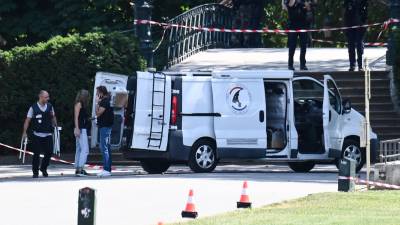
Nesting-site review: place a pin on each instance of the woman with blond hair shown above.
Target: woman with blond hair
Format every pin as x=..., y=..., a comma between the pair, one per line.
x=82, y=125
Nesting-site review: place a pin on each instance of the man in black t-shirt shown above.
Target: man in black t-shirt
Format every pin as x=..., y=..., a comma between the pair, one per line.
x=105, y=119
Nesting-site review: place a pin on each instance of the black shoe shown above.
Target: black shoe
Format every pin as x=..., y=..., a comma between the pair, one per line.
x=351, y=69
x=303, y=68
x=360, y=69
x=291, y=68
x=44, y=173
x=35, y=175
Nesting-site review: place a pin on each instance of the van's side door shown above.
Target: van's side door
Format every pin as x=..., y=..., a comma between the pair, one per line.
x=331, y=116
x=240, y=106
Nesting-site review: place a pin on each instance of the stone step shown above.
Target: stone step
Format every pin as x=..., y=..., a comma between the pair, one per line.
x=375, y=99
x=386, y=106
x=343, y=75
x=359, y=90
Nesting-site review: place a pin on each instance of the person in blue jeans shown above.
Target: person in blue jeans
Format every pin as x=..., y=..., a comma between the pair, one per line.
x=105, y=120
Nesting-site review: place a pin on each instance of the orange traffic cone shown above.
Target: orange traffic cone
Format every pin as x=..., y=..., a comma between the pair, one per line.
x=244, y=201
x=190, y=210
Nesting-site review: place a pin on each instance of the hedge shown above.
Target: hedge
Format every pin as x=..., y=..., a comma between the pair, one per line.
x=62, y=66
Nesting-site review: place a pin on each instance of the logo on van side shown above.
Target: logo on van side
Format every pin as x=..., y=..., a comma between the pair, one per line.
x=238, y=98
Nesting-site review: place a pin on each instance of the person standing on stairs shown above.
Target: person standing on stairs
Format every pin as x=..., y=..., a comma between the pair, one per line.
x=355, y=14
x=299, y=18
x=82, y=126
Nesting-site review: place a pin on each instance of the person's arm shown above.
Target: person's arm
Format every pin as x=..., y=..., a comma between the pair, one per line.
x=100, y=109
x=290, y=3
x=25, y=128
x=54, y=118
x=77, y=110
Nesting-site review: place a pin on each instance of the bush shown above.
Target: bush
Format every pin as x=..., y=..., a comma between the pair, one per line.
x=62, y=65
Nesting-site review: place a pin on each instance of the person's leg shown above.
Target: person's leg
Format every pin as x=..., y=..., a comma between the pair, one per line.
x=109, y=149
x=303, y=50
x=104, y=140
x=47, y=144
x=351, y=48
x=360, y=46
x=292, y=42
x=36, y=155
x=84, y=146
x=78, y=151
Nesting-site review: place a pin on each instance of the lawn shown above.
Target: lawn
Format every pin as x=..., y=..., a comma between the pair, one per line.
x=359, y=208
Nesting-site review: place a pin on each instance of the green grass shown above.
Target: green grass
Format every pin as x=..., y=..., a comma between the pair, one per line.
x=359, y=208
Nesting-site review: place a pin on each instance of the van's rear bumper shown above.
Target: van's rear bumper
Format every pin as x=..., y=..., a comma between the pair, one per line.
x=176, y=151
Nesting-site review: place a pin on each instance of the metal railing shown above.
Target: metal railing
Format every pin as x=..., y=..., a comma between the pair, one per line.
x=184, y=42
x=389, y=150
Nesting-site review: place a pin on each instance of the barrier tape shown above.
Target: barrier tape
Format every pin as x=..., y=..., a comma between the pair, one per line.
x=55, y=159
x=385, y=25
x=370, y=44
x=361, y=181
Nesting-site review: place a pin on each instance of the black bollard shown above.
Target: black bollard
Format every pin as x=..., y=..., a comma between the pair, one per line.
x=86, y=206
x=347, y=175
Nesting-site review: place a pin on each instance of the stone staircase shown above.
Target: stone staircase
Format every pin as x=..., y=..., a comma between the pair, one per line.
x=385, y=120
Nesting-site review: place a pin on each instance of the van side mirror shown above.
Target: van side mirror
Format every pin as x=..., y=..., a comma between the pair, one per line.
x=346, y=106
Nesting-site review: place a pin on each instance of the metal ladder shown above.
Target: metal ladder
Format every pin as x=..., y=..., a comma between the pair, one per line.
x=156, y=136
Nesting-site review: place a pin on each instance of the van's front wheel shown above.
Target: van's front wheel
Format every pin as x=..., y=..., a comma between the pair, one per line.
x=155, y=166
x=301, y=167
x=202, y=157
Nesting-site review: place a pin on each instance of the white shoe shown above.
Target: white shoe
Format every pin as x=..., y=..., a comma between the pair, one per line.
x=104, y=173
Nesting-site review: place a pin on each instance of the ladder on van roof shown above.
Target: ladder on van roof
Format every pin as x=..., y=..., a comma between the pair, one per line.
x=156, y=136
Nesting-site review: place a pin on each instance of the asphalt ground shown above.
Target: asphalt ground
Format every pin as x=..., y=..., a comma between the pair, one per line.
x=131, y=196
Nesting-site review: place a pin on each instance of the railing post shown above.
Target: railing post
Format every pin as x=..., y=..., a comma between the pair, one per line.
x=143, y=9
x=392, y=45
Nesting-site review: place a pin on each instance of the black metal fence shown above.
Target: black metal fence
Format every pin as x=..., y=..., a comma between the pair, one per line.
x=184, y=42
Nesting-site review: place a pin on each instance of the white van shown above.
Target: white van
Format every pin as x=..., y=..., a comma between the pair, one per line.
x=200, y=118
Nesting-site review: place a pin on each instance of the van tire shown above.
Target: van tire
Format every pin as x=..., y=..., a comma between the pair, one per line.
x=209, y=150
x=155, y=166
x=355, y=145
x=301, y=167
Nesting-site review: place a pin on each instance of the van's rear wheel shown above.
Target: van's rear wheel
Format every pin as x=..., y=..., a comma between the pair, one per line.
x=301, y=167
x=155, y=166
x=203, y=157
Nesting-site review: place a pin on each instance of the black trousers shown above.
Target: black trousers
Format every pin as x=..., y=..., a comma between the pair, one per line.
x=292, y=43
x=355, y=41
x=39, y=145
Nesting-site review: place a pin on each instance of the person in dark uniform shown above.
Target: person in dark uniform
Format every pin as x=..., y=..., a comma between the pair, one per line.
x=43, y=120
x=355, y=14
x=299, y=18
x=105, y=120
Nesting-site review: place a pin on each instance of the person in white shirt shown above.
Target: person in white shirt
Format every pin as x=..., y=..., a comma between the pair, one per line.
x=43, y=120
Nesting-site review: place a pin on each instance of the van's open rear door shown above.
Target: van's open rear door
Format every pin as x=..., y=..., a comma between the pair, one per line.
x=241, y=103
x=152, y=111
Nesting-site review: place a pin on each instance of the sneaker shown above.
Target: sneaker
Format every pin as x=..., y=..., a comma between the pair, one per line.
x=303, y=68
x=81, y=173
x=291, y=68
x=35, y=175
x=44, y=173
x=351, y=69
x=360, y=69
x=104, y=173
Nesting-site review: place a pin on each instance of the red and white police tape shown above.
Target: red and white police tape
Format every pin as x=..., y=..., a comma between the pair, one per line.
x=378, y=184
x=55, y=159
x=265, y=30
x=371, y=44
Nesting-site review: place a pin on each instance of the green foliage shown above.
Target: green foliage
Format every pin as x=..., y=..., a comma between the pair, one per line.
x=62, y=65
x=31, y=21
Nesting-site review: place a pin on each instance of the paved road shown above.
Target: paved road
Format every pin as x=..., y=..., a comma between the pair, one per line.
x=134, y=197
